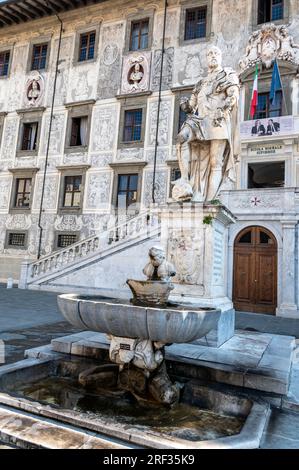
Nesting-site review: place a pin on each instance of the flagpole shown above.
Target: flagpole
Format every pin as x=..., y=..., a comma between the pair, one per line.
x=282, y=89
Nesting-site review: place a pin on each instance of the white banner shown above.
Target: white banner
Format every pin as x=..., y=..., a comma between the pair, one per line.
x=261, y=128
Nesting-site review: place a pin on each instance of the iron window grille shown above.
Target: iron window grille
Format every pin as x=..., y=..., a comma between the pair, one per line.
x=16, y=239
x=65, y=240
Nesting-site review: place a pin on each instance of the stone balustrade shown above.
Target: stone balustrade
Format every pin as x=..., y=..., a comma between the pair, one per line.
x=138, y=226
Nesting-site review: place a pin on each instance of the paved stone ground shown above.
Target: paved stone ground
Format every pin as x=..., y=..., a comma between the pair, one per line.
x=29, y=319
x=282, y=431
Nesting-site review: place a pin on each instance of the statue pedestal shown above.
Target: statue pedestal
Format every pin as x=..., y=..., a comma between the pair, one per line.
x=195, y=238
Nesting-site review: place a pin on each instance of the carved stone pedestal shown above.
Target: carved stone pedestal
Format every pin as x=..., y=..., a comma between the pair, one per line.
x=195, y=238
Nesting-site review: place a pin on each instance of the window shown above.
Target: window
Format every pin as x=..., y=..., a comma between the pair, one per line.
x=265, y=109
x=79, y=131
x=72, y=191
x=127, y=190
x=196, y=23
x=266, y=175
x=270, y=10
x=78, y=126
x=4, y=63
x=132, y=125
x=23, y=193
x=16, y=240
x=39, y=56
x=87, y=46
x=66, y=239
x=139, y=35
x=29, y=139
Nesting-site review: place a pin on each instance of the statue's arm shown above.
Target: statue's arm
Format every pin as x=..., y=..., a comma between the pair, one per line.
x=232, y=98
x=189, y=105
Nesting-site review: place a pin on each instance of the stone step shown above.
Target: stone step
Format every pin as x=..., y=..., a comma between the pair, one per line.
x=257, y=361
x=26, y=431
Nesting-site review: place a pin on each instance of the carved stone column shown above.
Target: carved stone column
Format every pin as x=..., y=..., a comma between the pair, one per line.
x=288, y=307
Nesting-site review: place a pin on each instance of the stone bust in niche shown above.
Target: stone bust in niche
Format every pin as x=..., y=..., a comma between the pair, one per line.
x=135, y=76
x=34, y=92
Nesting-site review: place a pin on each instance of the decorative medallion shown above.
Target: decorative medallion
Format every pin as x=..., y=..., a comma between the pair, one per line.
x=135, y=77
x=34, y=89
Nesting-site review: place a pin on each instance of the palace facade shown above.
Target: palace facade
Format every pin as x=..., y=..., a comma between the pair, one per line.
x=89, y=114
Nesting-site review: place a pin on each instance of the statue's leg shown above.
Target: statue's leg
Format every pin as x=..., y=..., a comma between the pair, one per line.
x=183, y=153
x=200, y=170
x=217, y=150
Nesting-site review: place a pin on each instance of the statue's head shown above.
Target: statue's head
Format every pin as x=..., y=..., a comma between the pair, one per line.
x=157, y=255
x=214, y=57
x=284, y=30
x=137, y=67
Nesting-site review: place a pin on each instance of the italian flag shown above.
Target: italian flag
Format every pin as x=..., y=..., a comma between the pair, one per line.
x=254, y=98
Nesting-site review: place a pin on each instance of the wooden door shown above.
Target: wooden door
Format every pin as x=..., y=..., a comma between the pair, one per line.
x=255, y=271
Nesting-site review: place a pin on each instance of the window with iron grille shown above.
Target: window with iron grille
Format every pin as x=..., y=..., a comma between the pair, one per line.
x=29, y=139
x=66, y=239
x=196, y=23
x=127, y=190
x=265, y=109
x=139, y=35
x=72, y=191
x=17, y=239
x=270, y=10
x=39, y=56
x=4, y=63
x=133, y=125
x=87, y=46
x=79, y=130
x=23, y=193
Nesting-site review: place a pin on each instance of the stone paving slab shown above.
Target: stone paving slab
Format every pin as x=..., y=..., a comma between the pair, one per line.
x=249, y=359
x=28, y=431
x=282, y=431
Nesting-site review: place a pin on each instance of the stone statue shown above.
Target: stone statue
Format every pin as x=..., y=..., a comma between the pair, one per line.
x=287, y=45
x=158, y=269
x=211, y=132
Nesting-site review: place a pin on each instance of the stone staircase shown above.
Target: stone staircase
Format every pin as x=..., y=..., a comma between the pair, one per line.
x=86, y=252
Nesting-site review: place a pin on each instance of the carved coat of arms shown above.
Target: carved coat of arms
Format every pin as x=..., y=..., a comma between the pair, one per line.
x=270, y=43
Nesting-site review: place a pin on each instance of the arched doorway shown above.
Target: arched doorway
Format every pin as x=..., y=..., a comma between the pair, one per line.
x=255, y=271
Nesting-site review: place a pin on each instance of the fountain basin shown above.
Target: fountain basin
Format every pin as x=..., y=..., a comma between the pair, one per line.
x=150, y=293
x=208, y=417
x=172, y=324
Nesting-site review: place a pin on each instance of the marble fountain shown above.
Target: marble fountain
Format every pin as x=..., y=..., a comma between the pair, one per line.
x=131, y=397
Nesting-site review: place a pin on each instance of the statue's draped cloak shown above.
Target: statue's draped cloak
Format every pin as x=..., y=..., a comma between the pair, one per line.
x=204, y=130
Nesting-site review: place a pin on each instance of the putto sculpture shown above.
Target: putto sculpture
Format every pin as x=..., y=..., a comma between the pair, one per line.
x=156, y=290
x=158, y=269
x=210, y=133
